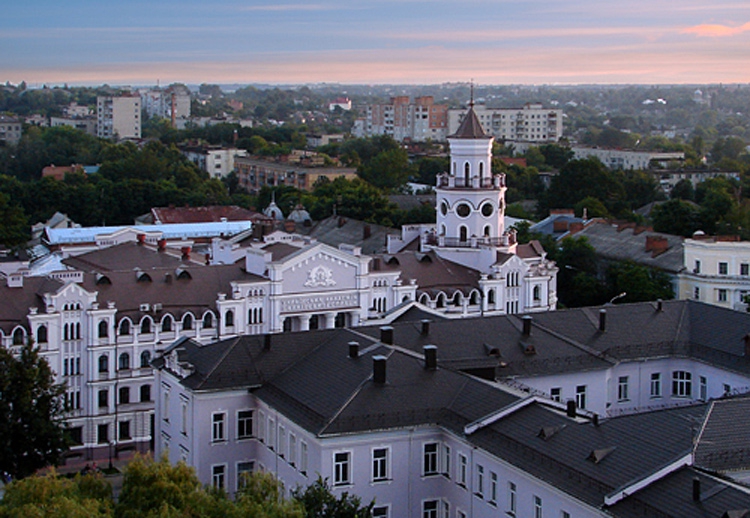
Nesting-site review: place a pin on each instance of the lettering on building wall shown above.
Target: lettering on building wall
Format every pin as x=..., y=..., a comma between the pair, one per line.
x=299, y=304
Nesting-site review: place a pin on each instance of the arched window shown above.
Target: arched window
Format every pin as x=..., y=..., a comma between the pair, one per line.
x=124, y=362
x=467, y=172
x=187, y=322
x=208, y=321
x=103, y=329
x=166, y=324
x=537, y=293
x=125, y=327
x=103, y=363
x=146, y=325
x=229, y=318
x=457, y=299
x=474, y=298
x=78, y=331
x=463, y=234
x=18, y=336
x=440, y=303
x=41, y=334
x=486, y=231
x=491, y=297
x=481, y=172
x=66, y=332
x=260, y=315
x=145, y=359
x=424, y=299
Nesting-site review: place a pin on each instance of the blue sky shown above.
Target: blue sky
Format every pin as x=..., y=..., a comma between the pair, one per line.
x=375, y=41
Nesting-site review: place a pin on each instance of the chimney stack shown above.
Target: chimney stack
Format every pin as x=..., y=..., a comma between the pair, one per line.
x=425, y=327
x=378, y=369
x=659, y=305
x=430, y=357
x=267, y=342
x=386, y=335
x=353, y=349
x=185, y=253
x=141, y=238
x=570, y=409
x=696, y=489
x=602, y=320
x=596, y=420
x=162, y=245
x=527, y=319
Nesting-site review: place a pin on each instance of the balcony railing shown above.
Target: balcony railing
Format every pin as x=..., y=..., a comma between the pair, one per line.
x=445, y=181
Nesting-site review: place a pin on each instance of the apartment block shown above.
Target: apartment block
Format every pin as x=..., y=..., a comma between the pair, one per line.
x=531, y=123
x=119, y=117
x=403, y=119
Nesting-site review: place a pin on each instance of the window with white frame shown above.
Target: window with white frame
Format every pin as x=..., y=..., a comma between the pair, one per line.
x=379, y=464
x=244, y=424
x=244, y=470
x=303, y=457
x=697, y=293
x=218, y=475
x=480, y=481
x=555, y=393
x=292, y=449
x=271, y=436
x=702, y=388
x=261, y=426
x=463, y=469
x=581, y=396
x=622, y=388
x=282, y=441
x=445, y=464
x=722, y=295
x=682, y=384
x=218, y=428
x=537, y=506
x=184, y=420
x=564, y=514
x=723, y=268
x=342, y=468
x=744, y=269
x=380, y=511
x=430, y=458
x=430, y=508
x=655, y=384
x=512, y=497
x=493, y=487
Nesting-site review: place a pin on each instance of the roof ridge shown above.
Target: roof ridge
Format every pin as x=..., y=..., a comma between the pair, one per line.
x=222, y=358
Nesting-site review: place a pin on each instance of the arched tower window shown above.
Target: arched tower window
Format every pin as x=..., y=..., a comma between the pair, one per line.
x=463, y=234
x=103, y=329
x=467, y=172
x=41, y=334
x=481, y=172
x=229, y=318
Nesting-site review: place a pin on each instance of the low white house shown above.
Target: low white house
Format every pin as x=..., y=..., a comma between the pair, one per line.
x=717, y=271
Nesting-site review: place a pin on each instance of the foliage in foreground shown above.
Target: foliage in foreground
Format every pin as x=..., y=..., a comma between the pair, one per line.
x=159, y=489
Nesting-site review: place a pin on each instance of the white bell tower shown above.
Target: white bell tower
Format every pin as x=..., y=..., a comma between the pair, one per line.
x=470, y=199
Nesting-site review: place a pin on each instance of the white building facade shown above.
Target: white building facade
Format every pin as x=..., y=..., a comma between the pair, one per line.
x=716, y=272
x=531, y=123
x=118, y=117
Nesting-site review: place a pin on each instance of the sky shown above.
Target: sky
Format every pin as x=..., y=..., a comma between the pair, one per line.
x=91, y=42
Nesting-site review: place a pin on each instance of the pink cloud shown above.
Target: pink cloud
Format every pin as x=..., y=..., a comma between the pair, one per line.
x=716, y=30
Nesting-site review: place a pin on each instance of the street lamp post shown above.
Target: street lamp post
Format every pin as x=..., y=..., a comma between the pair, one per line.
x=613, y=299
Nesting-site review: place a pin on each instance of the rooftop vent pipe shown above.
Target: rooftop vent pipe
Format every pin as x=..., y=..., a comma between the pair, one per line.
x=527, y=319
x=353, y=349
x=425, y=327
x=570, y=409
x=386, y=335
x=430, y=357
x=602, y=320
x=378, y=369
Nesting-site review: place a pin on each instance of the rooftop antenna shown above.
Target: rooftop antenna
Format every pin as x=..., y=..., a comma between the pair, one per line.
x=471, y=101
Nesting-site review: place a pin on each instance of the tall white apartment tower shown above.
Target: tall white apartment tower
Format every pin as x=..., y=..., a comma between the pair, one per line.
x=470, y=199
x=118, y=117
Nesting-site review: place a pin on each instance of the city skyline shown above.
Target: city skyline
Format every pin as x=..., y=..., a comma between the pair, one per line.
x=361, y=42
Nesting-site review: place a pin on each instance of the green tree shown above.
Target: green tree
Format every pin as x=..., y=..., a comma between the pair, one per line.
x=676, y=217
x=594, y=208
x=52, y=496
x=387, y=170
x=640, y=283
x=578, y=275
x=31, y=410
x=14, y=228
x=683, y=190
x=319, y=502
x=159, y=489
x=261, y=496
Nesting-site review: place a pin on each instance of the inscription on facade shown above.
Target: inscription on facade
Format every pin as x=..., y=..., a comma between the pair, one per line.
x=317, y=303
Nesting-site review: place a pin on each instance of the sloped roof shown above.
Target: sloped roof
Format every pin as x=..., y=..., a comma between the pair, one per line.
x=470, y=127
x=211, y=213
x=432, y=272
x=724, y=442
x=127, y=256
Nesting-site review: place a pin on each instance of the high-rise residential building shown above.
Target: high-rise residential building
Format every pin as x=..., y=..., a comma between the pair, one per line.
x=119, y=117
x=170, y=102
x=532, y=123
x=405, y=120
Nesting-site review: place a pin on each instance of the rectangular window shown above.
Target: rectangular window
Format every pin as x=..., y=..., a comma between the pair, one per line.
x=744, y=269
x=446, y=461
x=430, y=509
x=581, y=396
x=102, y=434
x=184, y=420
x=261, y=426
x=697, y=268
x=380, y=511
x=493, y=487
x=218, y=475
x=722, y=295
x=564, y=514
x=430, y=459
x=217, y=429
x=463, y=468
x=655, y=384
x=244, y=470
x=703, y=388
x=622, y=388
x=537, y=507
x=244, y=424
x=282, y=441
x=555, y=393
x=103, y=398
x=303, y=457
x=682, y=384
x=380, y=464
x=480, y=481
x=271, y=433
x=124, y=431
x=342, y=468
x=723, y=268
x=512, y=495
x=124, y=395
x=292, y=449
x=697, y=293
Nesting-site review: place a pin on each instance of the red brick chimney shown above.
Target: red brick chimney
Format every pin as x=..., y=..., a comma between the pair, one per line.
x=162, y=245
x=656, y=245
x=185, y=253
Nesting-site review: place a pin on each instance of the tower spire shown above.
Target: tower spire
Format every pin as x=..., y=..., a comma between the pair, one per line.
x=471, y=98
